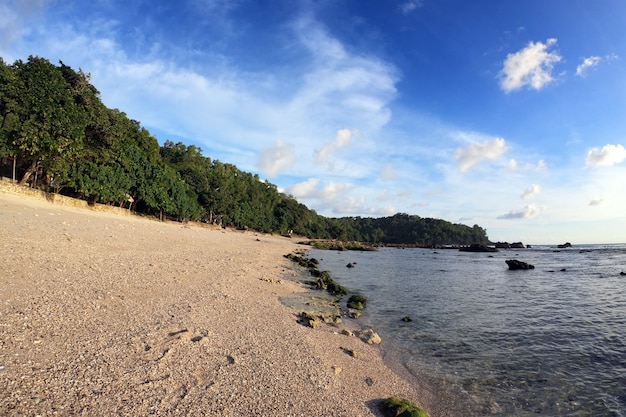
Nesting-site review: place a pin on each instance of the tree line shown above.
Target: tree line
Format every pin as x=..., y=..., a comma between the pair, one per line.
x=56, y=134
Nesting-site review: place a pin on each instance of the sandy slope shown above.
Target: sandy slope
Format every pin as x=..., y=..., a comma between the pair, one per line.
x=102, y=314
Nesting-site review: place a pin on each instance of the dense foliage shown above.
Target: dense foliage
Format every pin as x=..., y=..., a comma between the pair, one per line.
x=56, y=134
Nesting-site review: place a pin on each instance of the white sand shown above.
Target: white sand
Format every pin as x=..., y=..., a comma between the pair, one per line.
x=102, y=314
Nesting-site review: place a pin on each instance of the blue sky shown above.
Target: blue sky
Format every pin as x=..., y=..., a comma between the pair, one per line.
x=506, y=114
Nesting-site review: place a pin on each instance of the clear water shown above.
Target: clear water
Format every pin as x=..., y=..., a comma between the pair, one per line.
x=549, y=341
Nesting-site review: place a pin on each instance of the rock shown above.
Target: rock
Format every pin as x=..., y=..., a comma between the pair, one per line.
x=622, y=273
x=310, y=320
x=331, y=318
x=350, y=265
x=354, y=314
x=347, y=332
x=407, y=319
x=350, y=352
x=565, y=245
x=517, y=245
x=370, y=337
x=395, y=406
x=357, y=302
x=475, y=247
x=514, y=264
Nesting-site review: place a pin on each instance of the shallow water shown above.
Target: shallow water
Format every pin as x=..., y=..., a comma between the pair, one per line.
x=549, y=341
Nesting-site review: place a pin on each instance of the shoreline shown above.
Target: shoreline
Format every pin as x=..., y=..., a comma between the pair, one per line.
x=109, y=314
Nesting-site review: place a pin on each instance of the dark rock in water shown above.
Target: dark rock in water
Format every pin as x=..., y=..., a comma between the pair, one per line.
x=475, y=247
x=565, y=245
x=622, y=273
x=357, y=302
x=507, y=245
x=515, y=264
x=407, y=319
x=350, y=265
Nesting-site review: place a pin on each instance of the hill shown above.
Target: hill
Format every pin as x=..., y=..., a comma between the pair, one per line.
x=58, y=136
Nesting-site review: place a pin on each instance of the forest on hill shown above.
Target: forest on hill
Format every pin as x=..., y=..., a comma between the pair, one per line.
x=57, y=135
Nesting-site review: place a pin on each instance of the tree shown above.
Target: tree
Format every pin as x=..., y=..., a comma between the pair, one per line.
x=50, y=124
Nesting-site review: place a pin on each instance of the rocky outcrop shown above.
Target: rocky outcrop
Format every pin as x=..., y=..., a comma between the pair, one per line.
x=475, y=247
x=310, y=320
x=565, y=245
x=514, y=264
x=507, y=245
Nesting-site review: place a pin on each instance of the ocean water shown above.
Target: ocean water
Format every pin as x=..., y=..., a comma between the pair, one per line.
x=489, y=341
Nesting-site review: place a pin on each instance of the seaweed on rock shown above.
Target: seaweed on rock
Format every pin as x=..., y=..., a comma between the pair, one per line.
x=399, y=407
x=357, y=302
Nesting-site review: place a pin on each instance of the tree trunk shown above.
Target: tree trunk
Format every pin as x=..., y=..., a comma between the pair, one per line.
x=28, y=173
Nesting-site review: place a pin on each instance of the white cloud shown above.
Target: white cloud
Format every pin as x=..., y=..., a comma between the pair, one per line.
x=587, y=63
x=331, y=190
x=531, y=191
x=609, y=155
x=531, y=66
x=527, y=212
x=310, y=189
x=342, y=139
x=276, y=158
x=304, y=189
x=474, y=153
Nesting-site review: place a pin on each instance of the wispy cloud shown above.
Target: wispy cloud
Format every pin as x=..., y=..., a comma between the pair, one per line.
x=409, y=6
x=592, y=62
x=14, y=14
x=388, y=173
x=531, y=66
x=531, y=191
x=596, y=201
x=342, y=139
x=587, y=63
x=474, y=153
x=607, y=156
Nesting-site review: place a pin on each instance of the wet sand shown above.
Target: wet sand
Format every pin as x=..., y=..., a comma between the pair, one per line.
x=106, y=314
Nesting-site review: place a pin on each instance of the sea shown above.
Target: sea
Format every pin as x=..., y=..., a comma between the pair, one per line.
x=489, y=341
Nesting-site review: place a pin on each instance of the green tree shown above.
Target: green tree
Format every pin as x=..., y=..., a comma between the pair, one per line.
x=50, y=124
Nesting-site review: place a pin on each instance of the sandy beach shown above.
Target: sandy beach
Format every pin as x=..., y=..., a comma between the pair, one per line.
x=106, y=314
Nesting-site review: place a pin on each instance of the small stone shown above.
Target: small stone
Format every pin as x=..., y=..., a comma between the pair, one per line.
x=337, y=370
